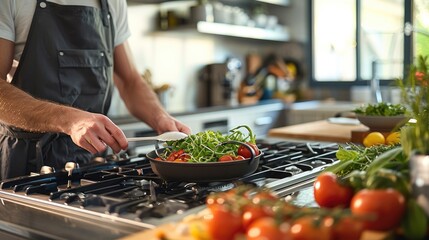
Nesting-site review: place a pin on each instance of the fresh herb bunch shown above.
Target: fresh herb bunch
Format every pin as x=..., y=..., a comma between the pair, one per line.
x=375, y=167
x=207, y=146
x=415, y=96
x=381, y=109
x=356, y=158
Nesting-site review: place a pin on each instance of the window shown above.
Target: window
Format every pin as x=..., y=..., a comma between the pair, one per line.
x=334, y=40
x=381, y=39
x=354, y=41
x=420, y=31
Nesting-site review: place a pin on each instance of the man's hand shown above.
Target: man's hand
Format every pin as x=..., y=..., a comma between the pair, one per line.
x=95, y=132
x=167, y=123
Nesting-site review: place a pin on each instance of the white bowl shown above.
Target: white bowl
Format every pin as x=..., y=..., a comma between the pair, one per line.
x=382, y=123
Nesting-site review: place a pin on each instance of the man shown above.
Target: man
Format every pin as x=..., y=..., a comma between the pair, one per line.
x=53, y=109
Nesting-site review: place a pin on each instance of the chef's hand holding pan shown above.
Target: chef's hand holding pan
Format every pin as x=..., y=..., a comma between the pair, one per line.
x=95, y=132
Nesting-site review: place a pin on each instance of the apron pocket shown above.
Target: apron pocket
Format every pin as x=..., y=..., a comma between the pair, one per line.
x=83, y=72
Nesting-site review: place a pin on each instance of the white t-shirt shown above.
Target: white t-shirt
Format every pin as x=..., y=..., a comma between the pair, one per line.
x=16, y=17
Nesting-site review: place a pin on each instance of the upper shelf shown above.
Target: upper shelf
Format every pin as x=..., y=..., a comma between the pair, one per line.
x=274, y=2
x=240, y=31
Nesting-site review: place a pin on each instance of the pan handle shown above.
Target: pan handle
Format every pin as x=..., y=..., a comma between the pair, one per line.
x=252, y=152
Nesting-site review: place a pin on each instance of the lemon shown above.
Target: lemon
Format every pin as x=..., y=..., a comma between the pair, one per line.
x=393, y=138
x=374, y=138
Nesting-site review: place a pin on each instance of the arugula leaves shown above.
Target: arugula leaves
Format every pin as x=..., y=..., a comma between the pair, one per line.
x=207, y=146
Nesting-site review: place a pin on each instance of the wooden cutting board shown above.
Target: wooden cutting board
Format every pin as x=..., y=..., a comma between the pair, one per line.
x=322, y=130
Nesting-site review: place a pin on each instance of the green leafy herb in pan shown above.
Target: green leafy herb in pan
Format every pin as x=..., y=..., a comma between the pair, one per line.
x=207, y=146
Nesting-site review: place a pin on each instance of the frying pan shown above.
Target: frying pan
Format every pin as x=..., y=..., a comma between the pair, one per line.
x=203, y=172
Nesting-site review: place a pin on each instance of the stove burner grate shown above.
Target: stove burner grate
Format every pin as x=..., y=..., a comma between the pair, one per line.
x=126, y=187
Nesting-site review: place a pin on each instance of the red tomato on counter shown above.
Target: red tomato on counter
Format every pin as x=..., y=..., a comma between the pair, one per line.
x=267, y=228
x=264, y=196
x=253, y=212
x=223, y=224
x=385, y=206
x=329, y=193
x=348, y=228
x=305, y=228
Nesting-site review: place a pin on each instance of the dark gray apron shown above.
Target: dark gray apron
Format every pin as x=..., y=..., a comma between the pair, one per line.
x=68, y=59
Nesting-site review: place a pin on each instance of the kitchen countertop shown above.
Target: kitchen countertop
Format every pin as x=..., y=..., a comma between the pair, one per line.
x=130, y=119
x=322, y=130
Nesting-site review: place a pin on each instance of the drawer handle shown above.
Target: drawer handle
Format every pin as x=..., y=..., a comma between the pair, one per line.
x=263, y=121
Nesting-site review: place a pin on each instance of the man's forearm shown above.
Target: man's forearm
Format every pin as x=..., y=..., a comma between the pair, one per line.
x=19, y=109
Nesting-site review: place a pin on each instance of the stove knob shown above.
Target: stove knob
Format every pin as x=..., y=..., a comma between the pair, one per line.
x=99, y=160
x=69, y=168
x=46, y=170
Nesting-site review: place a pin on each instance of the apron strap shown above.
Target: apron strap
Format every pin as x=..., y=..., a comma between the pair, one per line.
x=44, y=141
x=19, y=133
x=105, y=12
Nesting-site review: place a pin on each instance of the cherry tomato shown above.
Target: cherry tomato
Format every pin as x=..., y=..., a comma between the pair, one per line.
x=181, y=160
x=285, y=210
x=264, y=196
x=245, y=152
x=348, y=228
x=307, y=228
x=214, y=199
x=253, y=212
x=222, y=223
x=385, y=206
x=329, y=193
x=175, y=154
x=226, y=158
x=239, y=157
x=267, y=228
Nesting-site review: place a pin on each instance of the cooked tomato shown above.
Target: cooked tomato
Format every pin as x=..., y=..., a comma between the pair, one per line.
x=175, y=155
x=347, y=228
x=182, y=160
x=253, y=212
x=226, y=158
x=222, y=223
x=245, y=152
x=329, y=193
x=267, y=228
x=309, y=228
x=384, y=208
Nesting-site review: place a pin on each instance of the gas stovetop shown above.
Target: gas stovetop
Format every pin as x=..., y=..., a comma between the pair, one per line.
x=119, y=195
